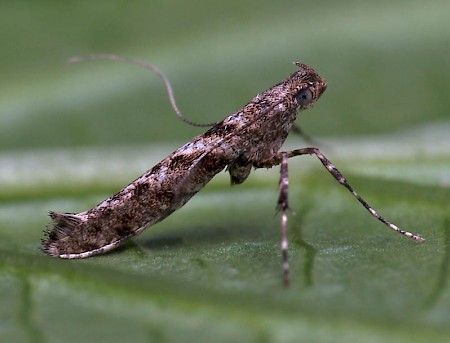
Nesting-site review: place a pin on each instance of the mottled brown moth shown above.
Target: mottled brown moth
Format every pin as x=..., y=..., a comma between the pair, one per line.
x=250, y=138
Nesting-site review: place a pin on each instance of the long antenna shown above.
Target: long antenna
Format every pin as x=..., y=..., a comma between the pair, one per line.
x=146, y=65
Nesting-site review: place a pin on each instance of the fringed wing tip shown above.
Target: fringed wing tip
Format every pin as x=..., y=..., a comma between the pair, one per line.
x=58, y=231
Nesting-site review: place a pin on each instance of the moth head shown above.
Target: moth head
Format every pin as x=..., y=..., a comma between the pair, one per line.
x=304, y=98
x=308, y=86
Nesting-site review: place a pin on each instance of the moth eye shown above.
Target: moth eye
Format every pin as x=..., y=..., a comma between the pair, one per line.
x=304, y=97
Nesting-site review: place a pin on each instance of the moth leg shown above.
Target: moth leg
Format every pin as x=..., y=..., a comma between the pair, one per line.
x=307, y=138
x=239, y=171
x=283, y=205
x=277, y=159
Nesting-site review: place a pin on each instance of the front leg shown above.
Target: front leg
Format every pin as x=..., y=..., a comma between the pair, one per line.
x=278, y=158
x=283, y=205
x=239, y=170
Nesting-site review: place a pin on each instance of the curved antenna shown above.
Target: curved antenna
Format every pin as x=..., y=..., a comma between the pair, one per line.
x=148, y=66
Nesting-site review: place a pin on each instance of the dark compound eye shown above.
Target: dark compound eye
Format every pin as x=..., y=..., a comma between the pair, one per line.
x=304, y=97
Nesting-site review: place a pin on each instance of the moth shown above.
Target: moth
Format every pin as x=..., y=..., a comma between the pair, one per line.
x=249, y=138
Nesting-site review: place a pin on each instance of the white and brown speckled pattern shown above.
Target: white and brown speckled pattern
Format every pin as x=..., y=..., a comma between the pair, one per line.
x=248, y=137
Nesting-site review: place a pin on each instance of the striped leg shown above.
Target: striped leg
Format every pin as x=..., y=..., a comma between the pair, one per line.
x=341, y=179
x=283, y=204
x=282, y=158
x=279, y=158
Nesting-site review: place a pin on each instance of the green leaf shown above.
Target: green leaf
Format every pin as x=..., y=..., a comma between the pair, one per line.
x=212, y=270
x=70, y=137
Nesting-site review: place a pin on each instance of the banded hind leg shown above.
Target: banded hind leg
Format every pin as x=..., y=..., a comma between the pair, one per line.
x=282, y=158
x=283, y=205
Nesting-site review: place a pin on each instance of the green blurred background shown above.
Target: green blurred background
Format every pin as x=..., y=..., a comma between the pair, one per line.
x=72, y=135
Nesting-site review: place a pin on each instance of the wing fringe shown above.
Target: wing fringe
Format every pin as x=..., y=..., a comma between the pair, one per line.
x=58, y=231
